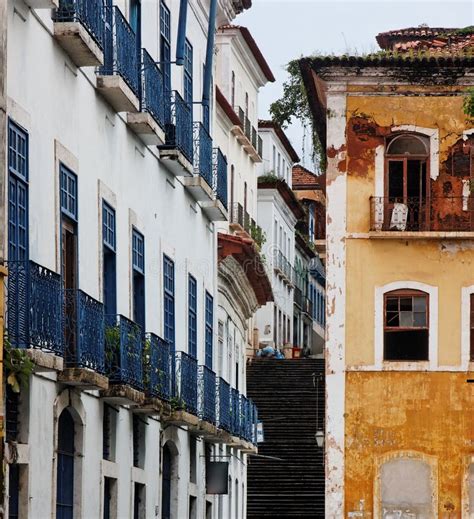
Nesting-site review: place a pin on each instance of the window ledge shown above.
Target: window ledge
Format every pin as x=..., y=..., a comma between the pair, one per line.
x=419, y=365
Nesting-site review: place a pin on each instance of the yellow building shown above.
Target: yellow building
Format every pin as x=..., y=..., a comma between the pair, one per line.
x=400, y=275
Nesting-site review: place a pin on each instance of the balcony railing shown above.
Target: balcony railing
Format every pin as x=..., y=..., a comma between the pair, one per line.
x=254, y=423
x=157, y=367
x=121, y=53
x=186, y=382
x=241, y=217
x=202, y=153
x=224, y=414
x=90, y=13
x=417, y=214
x=250, y=131
x=219, y=176
x=152, y=94
x=34, y=307
x=83, y=322
x=283, y=265
x=179, y=124
x=207, y=394
x=123, y=351
x=235, y=412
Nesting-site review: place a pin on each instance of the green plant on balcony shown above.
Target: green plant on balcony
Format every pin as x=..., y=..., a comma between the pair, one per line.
x=17, y=366
x=177, y=403
x=268, y=178
x=258, y=235
x=112, y=342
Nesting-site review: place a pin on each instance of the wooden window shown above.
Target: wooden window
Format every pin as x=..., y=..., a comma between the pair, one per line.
x=406, y=325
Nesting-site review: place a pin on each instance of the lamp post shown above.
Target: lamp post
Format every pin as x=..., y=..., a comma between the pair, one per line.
x=319, y=436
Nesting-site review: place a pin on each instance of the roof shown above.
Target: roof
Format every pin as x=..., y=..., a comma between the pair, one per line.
x=303, y=178
x=436, y=39
x=226, y=107
x=267, y=182
x=244, y=251
x=252, y=44
x=282, y=136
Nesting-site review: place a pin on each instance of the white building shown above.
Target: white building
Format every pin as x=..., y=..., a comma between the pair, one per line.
x=278, y=213
x=111, y=210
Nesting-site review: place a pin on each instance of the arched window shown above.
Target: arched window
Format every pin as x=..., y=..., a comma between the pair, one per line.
x=406, y=321
x=65, y=475
x=407, y=182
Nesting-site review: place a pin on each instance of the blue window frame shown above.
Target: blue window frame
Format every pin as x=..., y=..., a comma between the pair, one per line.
x=135, y=20
x=68, y=192
x=65, y=470
x=165, y=45
x=18, y=234
x=192, y=316
x=188, y=73
x=168, y=295
x=138, y=267
x=209, y=329
x=110, y=260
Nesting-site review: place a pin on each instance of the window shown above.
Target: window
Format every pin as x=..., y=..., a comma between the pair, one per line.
x=192, y=316
x=407, y=182
x=220, y=342
x=17, y=193
x=110, y=498
x=471, y=326
x=232, y=90
x=274, y=159
x=209, y=329
x=188, y=73
x=168, y=286
x=246, y=104
x=232, y=180
x=109, y=260
x=406, y=326
x=135, y=20
x=139, y=502
x=109, y=424
x=138, y=271
x=68, y=193
x=138, y=436
x=165, y=46
x=65, y=467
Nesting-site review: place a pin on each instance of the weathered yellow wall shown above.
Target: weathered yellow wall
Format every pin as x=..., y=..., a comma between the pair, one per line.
x=391, y=411
x=432, y=413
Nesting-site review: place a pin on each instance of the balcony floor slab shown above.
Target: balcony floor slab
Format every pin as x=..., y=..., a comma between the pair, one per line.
x=199, y=189
x=151, y=406
x=78, y=44
x=145, y=126
x=175, y=162
x=83, y=378
x=42, y=4
x=182, y=418
x=118, y=94
x=45, y=361
x=123, y=394
x=215, y=211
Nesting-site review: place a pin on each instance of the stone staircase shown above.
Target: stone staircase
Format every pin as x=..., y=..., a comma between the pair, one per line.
x=286, y=399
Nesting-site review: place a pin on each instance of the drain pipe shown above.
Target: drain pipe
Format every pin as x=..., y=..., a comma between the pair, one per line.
x=183, y=15
x=211, y=32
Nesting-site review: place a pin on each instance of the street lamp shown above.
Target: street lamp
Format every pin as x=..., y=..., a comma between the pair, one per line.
x=319, y=436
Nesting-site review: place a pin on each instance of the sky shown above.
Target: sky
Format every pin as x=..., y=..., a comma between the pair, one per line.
x=287, y=29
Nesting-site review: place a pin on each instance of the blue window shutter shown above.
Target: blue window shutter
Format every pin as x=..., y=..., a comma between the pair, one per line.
x=168, y=303
x=209, y=330
x=17, y=193
x=192, y=316
x=188, y=73
x=165, y=45
x=138, y=262
x=109, y=260
x=68, y=192
x=65, y=467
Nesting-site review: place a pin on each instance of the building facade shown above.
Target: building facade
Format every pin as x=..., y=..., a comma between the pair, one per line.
x=399, y=275
x=115, y=188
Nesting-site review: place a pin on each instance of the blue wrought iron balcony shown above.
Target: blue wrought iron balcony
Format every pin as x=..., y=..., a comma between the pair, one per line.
x=248, y=420
x=83, y=324
x=207, y=393
x=219, y=176
x=202, y=153
x=224, y=402
x=186, y=393
x=234, y=412
x=254, y=423
x=119, y=78
x=89, y=13
x=152, y=89
x=123, y=351
x=179, y=125
x=34, y=307
x=157, y=367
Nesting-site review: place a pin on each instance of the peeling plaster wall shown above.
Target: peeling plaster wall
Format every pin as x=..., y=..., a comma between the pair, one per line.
x=390, y=409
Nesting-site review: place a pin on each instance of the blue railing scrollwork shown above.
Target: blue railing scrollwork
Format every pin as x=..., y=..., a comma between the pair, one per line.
x=152, y=98
x=157, y=367
x=219, y=176
x=207, y=394
x=202, y=155
x=186, y=382
x=179, y=124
